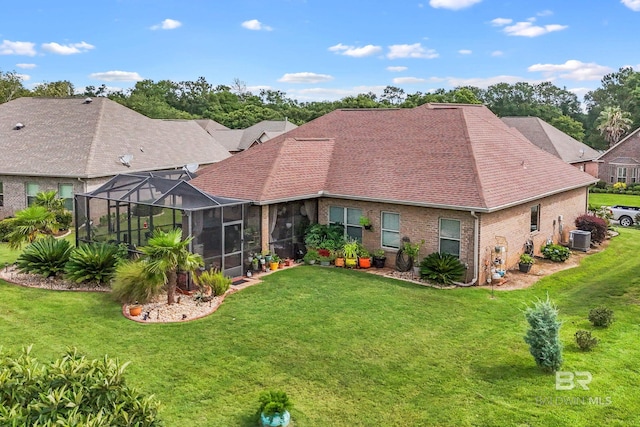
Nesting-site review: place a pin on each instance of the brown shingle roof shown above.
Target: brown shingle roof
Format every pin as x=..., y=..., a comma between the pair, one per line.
x=457, y=156
x=71, y=138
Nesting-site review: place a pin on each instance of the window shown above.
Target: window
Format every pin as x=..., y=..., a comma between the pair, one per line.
x=622, y=174
x=535, y=218
x=450, y=236
x=348, y=217
x=612, y=173
x=1, y=194
x=390, y=230
x=634, y=175
x=32, y=190
x=65, y=192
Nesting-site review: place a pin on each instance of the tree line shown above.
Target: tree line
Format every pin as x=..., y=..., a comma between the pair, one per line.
x=610, y=112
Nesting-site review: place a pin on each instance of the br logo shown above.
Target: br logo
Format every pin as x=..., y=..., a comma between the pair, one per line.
x=566, y=380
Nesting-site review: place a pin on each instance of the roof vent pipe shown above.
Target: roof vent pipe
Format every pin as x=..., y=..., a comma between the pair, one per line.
x=18, y=126
x=88, y=100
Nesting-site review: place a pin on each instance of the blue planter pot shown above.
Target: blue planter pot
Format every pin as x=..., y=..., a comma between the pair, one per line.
x=276, y=421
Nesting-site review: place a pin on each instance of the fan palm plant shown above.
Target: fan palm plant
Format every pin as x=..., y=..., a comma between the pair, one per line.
x=30, y=223
x=165, y=253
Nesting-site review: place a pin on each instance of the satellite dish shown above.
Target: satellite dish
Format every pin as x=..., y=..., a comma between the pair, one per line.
x=192, y=167
x=126, y=159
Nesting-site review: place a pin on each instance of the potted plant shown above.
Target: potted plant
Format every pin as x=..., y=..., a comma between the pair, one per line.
x=365, y=222
x=135, y=309
x=311, y=257
x=255, y=262
x=413, y=251
x=525, y=263
x=274, y=409
x=364, y=258
x=351, y=253
x=275, y=262
x=339, y=258
x=379, y=258
x=325, y=260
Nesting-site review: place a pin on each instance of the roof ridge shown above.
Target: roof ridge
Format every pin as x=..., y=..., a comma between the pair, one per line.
x=94, y=139
x=470, y=145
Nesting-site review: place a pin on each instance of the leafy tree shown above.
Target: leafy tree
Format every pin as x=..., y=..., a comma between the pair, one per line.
x=11, y=86
x=59, y=89
x=392, y=95
x=543, y=335
x=571, y=127
x=30, y=223
x=613, y=123
x=165, y=253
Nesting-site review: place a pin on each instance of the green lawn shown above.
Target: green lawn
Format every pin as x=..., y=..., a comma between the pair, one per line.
x=8, y=255
x=610, y=199
x=354, y=349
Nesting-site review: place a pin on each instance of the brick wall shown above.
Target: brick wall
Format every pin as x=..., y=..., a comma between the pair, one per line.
x=629, y=149
x=509, y=227
x=15, y=194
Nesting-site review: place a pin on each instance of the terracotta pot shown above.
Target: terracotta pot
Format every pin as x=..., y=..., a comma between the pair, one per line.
x=364, y=262
x=135, y=310
x=339, y=262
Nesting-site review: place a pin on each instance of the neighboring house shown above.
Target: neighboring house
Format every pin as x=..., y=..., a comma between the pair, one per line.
x=621, y=163
x=75, y=145
x=554, y=141
x=237, y=140
x=453, y=175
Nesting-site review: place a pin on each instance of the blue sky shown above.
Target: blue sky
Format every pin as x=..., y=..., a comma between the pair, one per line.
x=321, y=49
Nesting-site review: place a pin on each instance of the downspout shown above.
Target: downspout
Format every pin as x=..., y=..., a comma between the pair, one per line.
x=476, y=261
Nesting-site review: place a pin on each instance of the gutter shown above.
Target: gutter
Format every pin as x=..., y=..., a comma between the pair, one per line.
x=476, y=261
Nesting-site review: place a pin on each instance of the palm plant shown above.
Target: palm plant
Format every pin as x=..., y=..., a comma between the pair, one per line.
x=50, y=200
x=165, y=253
x=30, y=223
x=613, y=123
x=46, y=257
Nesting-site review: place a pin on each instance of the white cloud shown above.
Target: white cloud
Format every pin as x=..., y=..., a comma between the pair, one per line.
x=26, y=66
x=632, y=4
x=572, y=70
x=411, y=51
x=257, y=88
x=167, y=24
x=305, y=77
x=17, y=48
x=497, y=53
x=499, y=22
x=356, y=52
x=67, y=49
x=452, y=4
x=24, y=77
x=408, y=80
x=465, y=52
x=117, y=76
x=527, y=29
x=396, y=69
x=484, y=82
x=255, y=25
x=546, y=12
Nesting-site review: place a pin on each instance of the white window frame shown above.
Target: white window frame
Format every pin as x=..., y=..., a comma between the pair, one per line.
x=389, y=230
x=31, y=196
x=621, y=174
x=345, y=223
x=634, y=175
x=537, y=223
x=450, y=238
x=66, y=198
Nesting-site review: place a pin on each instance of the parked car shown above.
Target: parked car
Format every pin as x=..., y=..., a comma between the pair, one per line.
x=625, y=215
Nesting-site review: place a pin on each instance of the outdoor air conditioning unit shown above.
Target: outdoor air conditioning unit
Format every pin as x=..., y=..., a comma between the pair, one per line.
x=580, y=240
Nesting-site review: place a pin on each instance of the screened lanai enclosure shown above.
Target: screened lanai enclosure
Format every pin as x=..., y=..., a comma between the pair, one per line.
x=129, y=207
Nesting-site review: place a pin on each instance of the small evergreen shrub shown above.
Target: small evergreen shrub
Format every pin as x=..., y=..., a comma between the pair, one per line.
x=6, y=227
x=133, y=282
x=556, y=253
x=274, y=402
x=543, y=335
x=71, y=391
x=64, y=219
x=216, y=279
x=95, y=262
x=442, y=268
x=601, y=184
x=46, y=257
x=601, y=316
x=585, y=341
x=597, y=226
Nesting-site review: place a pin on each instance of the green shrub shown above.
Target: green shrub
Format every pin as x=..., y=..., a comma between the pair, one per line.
x=46, y=257
x=318, y=233
x=556, y=253
x=311, y=255
x=543, y=335
x=273, y=402
x=133, y=283
x=216, y=279
x=597, y=226
x=64, y=219
x=585, y=341
x=601, y=184
x=6, y=227
x=71, y=391
x=442, y=268
x=601, y=316
x=145, y=210
x=95, y=262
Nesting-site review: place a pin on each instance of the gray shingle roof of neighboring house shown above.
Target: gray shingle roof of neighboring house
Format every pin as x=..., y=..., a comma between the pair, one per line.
x=236, y=140
x=552, y=140
x=74, y=138
x=210, y=125
x=439, y=155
